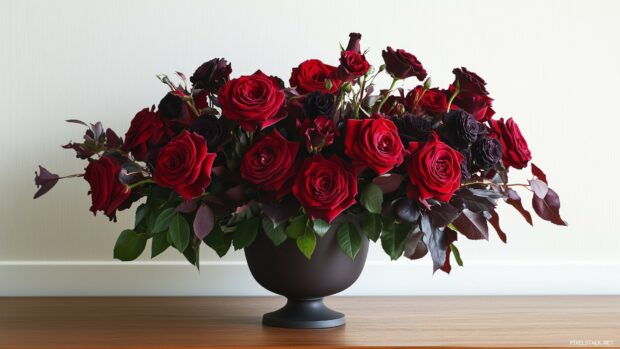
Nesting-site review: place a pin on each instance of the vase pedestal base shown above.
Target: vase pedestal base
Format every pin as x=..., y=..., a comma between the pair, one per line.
x=304, y=313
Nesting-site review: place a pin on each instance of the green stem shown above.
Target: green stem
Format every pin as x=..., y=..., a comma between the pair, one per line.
x=360, y=97
x=456, y=92
x=142, y=182
x=385, y=98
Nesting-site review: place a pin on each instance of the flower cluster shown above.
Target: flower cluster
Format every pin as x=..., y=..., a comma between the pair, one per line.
x=223, y=159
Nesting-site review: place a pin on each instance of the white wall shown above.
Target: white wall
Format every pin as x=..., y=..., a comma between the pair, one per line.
x=553, y=65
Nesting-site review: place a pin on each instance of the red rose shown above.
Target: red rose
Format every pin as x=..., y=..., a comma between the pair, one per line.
x=352, y=65
x=269, y=163
x=184, y=165
x=402, y=64
x=515, y=150
x=106, y=191
x=325, y=187
x=432, y=101
x=374, y=143
x=145, y=130
x=319, y=132
x=310, y=76
x=252, y=101
x=434, y=170
x=473, y=96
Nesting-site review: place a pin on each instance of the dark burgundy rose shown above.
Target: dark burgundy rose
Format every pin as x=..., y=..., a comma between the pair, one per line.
x=394, y=105
x=174, y=111
x=434, y=170
x=354, y=42
x=319, y=132
x=486, y=152
x=184, y=165
x=402, y=64
x=352, y=65
x=461, y=129
x=211, y=75
x=466, y=164
x=310, y=76
x=253, y=101
x=146, y=130
x=214, y=130
x=318, y=103
x=516, y=153
x=325, y=187
x=106, y=191
x=374, y=143
x=269, y=163
x=432, y=101
x=412, y=128
x=473, y=95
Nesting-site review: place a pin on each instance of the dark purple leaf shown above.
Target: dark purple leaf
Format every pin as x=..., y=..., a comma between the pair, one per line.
x=415, y=248
x=280, y=212
x=443, y=215
x=407, y=210
x=539, y=173
x=74, y=121
x=494, y=220
x=513, y=199
x=112, y=139
x=82, y=151
x=388, y=183
x=187, y=206
x=539, y=187
x=487, y=193
x=44, y=180
x=548, y=208
x=203, y=222
x=449, y=236
x=97, y=130
x=438, y=243
x=465, y=199
x=472, y=224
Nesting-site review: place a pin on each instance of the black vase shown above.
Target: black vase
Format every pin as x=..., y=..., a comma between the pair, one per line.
x=304, y=282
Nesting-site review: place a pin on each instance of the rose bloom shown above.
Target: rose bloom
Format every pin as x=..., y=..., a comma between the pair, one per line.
x=319, y=132
x=211, y=75
x=434, y=170
x=374, y=143
x=433, y=101
x=252, y=101
x=516, y=153
x=106, y=191
x=184, y=165
x=352, y=65
x=325, y=187
x=145, y=130
x=310, y=76
x=402, y=64
x=473, y=96
x=269, y=163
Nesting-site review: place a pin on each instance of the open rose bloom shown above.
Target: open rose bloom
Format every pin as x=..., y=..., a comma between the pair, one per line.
x=222, y=159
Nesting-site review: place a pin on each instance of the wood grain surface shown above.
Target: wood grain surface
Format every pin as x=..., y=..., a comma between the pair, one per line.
x=201, y=322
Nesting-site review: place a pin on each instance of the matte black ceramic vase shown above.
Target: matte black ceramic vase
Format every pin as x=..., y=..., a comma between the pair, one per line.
x=286, y=271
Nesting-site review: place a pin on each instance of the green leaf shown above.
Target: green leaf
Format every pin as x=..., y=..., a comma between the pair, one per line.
x=371, y=198
x=163, y=220
x=275, y=232
x=307, y=242
x=129, y=245
x=245, y=233
x=371, y=225
x=297, y=227
x=218, y=240
x=141, y=213
x=394, y=238
x=328, y=84
x=349, y=239
x=159, y=244
x=192, y=254
x=320, y=227
x=178, y=232
x=457, y=255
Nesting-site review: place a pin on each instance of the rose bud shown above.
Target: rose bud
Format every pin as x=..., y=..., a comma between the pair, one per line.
x=174, y=111
x=433, y=101
x=461, y=129
x=106, y=191
x=44, y=180
x=269, y=163
x=402, y=64
x=354, y=42
x=214, y=130
x=319, y=133
x=394, y=105
x=473, y=95
x=311, y=75
x=487, y=152
x=146, y=130
x=184, y=165
x=317, y=103
x=434, y=170
x=516, y=153
x=373, y=143
x=413, y=128
x=253, y=101
x=325, y=187
x=211, y=75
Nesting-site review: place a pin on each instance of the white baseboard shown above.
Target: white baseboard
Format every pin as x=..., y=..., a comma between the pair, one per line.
x=85, y=278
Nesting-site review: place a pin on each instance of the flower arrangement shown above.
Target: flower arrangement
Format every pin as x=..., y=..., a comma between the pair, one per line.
x=221, y=160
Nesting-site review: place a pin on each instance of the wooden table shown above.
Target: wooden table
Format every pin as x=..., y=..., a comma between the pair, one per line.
x=197, y=322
